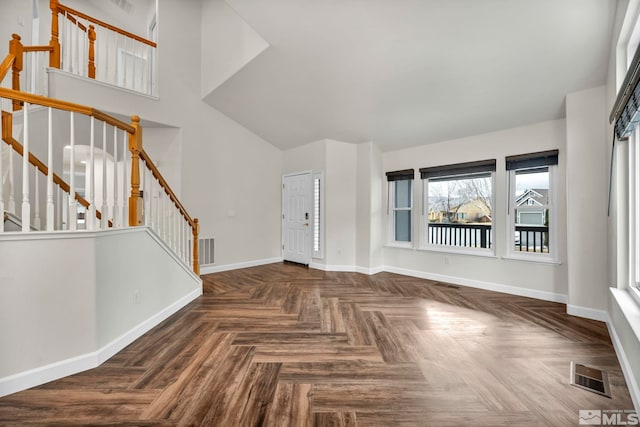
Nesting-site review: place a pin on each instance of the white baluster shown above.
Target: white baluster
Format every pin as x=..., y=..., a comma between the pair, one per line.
x=11, y=208
x=50, y=207
x=26, y=207
x=72, y=223
x=125, y=180
x=145, y=193
x=152, y=213
x=164, y=219
x=156, y=196
x=104, y=221
x=36, y=201
x=176, y=245
x=1, y=188
x=176, y=230
x=116, y=214
x=91, y=211
x=59, y=218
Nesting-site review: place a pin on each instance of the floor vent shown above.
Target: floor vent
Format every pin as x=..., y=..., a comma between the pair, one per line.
x=591, y=379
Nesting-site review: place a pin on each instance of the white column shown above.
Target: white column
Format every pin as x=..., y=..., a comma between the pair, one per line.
x=72, y=222
x=90, y=216
x=26, y=207
x=50, y=206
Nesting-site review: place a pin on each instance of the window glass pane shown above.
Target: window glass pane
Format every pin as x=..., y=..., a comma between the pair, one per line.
x=532, y=210
x=403, y=225
x=460, y=212
x=403, y=194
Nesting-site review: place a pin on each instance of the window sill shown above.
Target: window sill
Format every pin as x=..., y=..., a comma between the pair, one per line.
x=539, y=260
x=407, y=245
x=485, y=253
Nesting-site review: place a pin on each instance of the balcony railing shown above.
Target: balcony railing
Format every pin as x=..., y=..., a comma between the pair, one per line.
x=462, y=235
x=532, y=238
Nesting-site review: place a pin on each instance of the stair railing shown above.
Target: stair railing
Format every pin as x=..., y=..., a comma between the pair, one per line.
x=89, y=47
x=113, y=149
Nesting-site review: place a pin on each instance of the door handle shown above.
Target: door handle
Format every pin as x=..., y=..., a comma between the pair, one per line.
x=306, y=224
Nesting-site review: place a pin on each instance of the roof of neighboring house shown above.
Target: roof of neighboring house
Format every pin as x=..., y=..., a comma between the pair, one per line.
x=539, y=195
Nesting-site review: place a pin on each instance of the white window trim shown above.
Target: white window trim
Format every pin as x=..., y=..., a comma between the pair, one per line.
x=552, y=256
x=391, y=215
x=320, y=252
x=463, y=250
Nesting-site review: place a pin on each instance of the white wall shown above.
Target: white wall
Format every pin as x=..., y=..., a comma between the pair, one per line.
x=587, y=180
x=309, y=157
x=164, y=145
x=228, y=44
x=544, y=280
x=369, y=224
x=230, y=177
x=46, y=313
x=340, y=199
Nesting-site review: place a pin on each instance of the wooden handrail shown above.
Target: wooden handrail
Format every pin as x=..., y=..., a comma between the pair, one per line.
x=19, y=96
x=7, y=137
x=63, y=8
x=37, y=48
x=165, y=186
x=6, y=65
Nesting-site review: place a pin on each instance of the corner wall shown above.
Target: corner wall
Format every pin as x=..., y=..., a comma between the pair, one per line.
x=587, y=202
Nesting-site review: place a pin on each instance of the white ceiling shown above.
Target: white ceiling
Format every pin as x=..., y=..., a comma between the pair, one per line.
x=411, y=72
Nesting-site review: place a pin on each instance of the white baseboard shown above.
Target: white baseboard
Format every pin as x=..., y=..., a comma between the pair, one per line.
x=370, y=271
x=632, y=385
x=53, y=371
x=239, y=265
x=587, y=313
x=104, y=353
x=489, y=286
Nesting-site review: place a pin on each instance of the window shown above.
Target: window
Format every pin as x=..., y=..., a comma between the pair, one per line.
x=401, y=203
x=318, y=203
x=458, y=201
x=531, y=207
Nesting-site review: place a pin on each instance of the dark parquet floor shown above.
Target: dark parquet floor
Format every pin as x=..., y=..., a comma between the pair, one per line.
x=282, y=345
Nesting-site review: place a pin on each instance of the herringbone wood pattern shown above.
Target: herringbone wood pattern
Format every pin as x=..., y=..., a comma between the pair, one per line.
x=282, y=345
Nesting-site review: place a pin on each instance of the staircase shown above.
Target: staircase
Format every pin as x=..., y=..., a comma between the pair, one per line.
x=95, y=247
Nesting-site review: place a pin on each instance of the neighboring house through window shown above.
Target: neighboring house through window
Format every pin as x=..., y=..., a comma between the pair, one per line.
x=459, y=201
x=532, y=214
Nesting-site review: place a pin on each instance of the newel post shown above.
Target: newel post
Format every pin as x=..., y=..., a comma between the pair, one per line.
x=135, y=199
x=196, y=254
x=16, y=48
x=54, y=56
x=92, y=51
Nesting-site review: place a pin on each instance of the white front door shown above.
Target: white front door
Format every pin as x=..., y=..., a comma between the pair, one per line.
x=296, y=217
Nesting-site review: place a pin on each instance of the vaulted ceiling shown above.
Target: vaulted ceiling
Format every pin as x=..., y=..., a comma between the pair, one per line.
x=411, y=72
